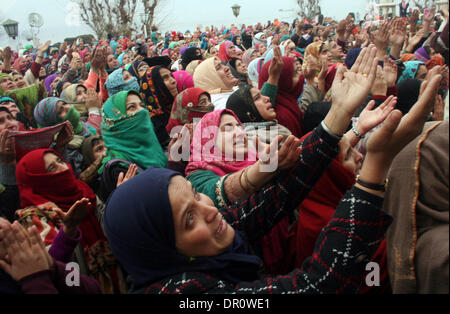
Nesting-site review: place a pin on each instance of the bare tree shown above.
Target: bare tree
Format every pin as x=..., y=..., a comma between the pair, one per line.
x=149, y=12
x=307, y=8
x=423, y=4
x=116, y=17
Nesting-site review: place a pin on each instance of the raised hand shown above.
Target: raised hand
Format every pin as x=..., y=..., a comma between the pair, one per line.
x=397, y=132
x=276, y=66
x=92, y=99
x=350, y=89
x=370, y=118
x=379, y=86
x=132, y=170
x=45, y=46
x=381, y=38
x=289, y=153
x=7, y=149
x=413, y=19
x=26, y=255
x=75, y=215
x=390, y=72
x=398, y=33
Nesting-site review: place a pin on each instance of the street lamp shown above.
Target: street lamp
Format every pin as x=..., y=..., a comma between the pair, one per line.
x=236, y=9
x=11, y=28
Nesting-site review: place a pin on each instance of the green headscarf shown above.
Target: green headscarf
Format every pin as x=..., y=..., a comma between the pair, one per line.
x=130, y=137
x=2, y=75
x=27, y=98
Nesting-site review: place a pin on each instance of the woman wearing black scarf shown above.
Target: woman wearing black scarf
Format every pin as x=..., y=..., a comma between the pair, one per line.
x=239, y=71
x=237, y=41
x=190, y=55
x=158, y=90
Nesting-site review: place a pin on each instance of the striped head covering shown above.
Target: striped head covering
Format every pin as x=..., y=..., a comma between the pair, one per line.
x=45, y=112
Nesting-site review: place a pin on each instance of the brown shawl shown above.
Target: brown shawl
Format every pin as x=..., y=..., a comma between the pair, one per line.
x=417, y=198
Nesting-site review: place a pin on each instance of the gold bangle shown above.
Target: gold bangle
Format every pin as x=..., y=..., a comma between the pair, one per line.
x=240, y=183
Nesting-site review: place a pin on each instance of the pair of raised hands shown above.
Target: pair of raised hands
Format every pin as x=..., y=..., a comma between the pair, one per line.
x=22, y=251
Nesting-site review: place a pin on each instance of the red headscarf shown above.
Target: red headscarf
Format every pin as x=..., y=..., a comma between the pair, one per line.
x=185, y=108
x=286, y=107
x=37, y=187
x=223, y=51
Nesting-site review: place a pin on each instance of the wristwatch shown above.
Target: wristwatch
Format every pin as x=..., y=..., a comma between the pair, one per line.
x=373, y=186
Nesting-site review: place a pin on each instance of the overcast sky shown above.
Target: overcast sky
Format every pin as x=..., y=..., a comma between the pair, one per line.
x=180, y=15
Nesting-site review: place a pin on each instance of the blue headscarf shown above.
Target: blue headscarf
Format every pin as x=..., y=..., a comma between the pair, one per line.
x=142, y=237
x=115, y=83
x=114, y=45
x=120, y=58
x=351, y=57
x=411, y=69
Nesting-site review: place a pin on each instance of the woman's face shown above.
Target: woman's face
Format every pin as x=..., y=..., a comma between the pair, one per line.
x=119, y=50
x=112, y=62
x=225, y=74
x=231, y=51
x=7, y=122
x=262, y=49
x=81, y=94
x=24, y=62
x=142, y=69
x=421, y=73
x=214, y=52
x=54, y=164
x=200, y=229
x=350, y=158
x=263, y=105
x=133, y=104
x=231, y=138
x=126, y=76
x=238, y=40
x=297, y=72
x=169, y=81
x=204, y=100
x=290, y=49
x=11, y=106
x=99, y=149
x=327, y=53
x=42, y=72
x=7, y=84
x=336, y=50
x=19, y=80
x=126, y=59
x=55, y=82
x=240, y=67
x=62, y=109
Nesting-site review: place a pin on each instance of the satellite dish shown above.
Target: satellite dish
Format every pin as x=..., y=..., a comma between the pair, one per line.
x=35, y=20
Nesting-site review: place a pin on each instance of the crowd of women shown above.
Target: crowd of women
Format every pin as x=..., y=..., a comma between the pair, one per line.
x=278, y=158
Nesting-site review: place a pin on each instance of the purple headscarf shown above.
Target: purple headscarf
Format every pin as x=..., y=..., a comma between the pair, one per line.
x=49, y=80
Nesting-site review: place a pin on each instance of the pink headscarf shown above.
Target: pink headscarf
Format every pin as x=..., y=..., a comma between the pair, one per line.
x=205, y=134
x=223, y=51
x=22, y=68
x=184, y=80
